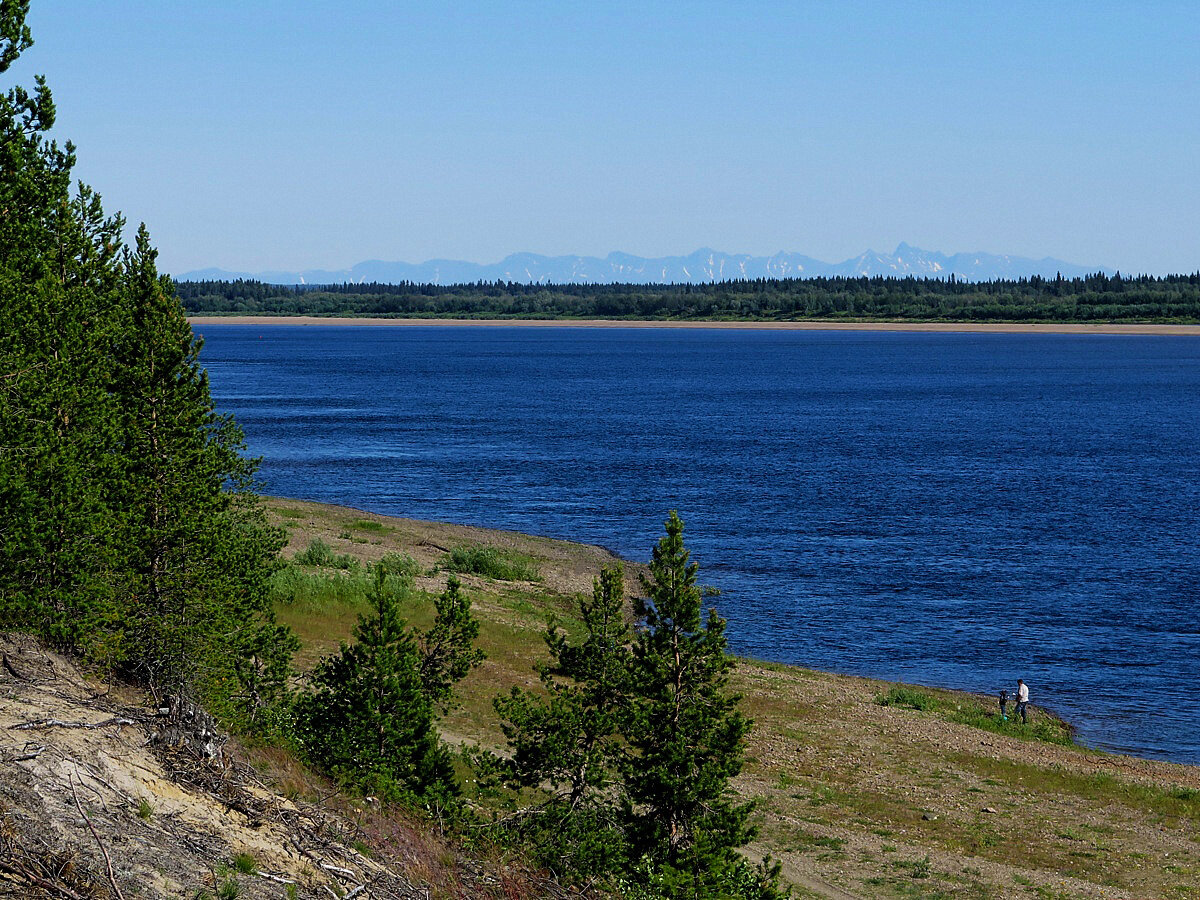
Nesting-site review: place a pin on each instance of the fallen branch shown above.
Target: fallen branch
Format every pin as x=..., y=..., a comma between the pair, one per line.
x=114, y=722
x=337, y=869
x=275, y=878
x=25, y=753
x=49, y=886
x=12, y=671
x=112, y=879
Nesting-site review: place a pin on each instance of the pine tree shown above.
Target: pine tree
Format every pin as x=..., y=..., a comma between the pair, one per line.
x=59, y=268
x=568, y=738
x=197, y=551
x=129, y=531
x=448, y=650
x=687, y=738
x=370, y=720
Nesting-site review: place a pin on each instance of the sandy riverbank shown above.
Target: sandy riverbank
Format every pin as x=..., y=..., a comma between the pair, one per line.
x=985, y=327
x=857, y=799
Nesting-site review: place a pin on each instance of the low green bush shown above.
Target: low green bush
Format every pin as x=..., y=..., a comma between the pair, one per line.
x=321, y=555
x=293, y=586
x=369, y=525
x=400, y=564
x=490, y=562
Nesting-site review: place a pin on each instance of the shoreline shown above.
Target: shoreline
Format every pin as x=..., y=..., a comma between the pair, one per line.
x=447, y=533
x=937, y=783
x=935, y=327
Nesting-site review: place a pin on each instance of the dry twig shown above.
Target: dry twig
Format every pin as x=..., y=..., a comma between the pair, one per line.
x=14, y=869
x=112, y=879
x=24, y=753
x=12, y=671
x=337, y=870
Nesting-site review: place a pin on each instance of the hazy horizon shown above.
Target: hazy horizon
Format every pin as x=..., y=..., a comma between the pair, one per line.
x=277, y=136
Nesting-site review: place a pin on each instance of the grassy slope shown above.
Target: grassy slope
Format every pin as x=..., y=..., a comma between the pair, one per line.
x=857, y=799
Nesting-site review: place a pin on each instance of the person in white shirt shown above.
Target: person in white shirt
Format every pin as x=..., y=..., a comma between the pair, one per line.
x=1022, y=699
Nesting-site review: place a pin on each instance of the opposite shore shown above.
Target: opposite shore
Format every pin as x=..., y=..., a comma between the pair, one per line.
x=945, y=327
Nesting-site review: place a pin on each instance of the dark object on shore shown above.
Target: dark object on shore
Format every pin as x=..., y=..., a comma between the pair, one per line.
x=1004, y=706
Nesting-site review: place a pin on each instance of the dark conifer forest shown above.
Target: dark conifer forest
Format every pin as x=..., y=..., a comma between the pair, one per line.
x=1096, y=298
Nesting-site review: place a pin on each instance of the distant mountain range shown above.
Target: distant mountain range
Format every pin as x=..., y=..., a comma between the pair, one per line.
x=704, y=265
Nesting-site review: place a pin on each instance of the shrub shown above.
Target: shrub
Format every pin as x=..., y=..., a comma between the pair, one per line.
x=321, y=555
x=400, y=564
x=502, y=565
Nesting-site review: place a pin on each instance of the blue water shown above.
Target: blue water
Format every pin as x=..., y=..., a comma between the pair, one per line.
x=947, y=509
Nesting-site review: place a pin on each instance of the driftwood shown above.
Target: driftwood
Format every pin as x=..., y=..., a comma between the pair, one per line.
x=114, y=722
x=275, y=878
x=337, y=869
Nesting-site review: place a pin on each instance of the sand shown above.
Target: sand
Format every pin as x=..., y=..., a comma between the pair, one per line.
x=983, y=327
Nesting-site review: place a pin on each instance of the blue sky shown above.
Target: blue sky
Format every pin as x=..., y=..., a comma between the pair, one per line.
x=286, y=135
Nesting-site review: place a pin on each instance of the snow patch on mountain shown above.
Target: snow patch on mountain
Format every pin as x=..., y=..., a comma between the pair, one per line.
x=704, y=266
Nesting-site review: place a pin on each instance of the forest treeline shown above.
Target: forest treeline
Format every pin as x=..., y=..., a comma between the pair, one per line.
x=1096, y=298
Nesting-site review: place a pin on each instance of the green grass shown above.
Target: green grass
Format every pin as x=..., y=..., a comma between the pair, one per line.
x=491, y=562
x=368, y=525
x=400, y=564
x=1053, y=819
x=292, y=586
x=798, y=840
x=320, y=555
x=1042, y=726
x=916, y=868
x=245, y=863
x=1173, y=807
x=907, y=698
